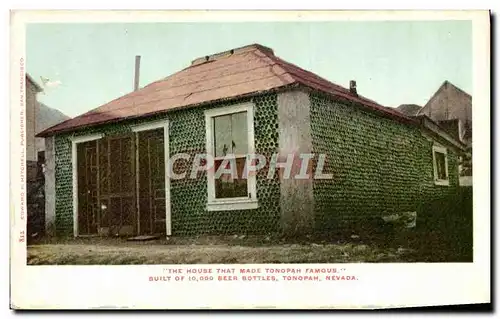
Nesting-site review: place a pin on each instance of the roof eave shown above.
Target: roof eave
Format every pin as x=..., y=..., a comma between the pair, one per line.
x=421, y=122
x=50, y=131
x=32, y=81
x=430, y=126
x=399, y=118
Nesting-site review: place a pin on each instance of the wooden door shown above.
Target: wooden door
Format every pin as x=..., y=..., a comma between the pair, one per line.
x=117, y=186
x=87, y=170
x=114, y=196
x=151, y=182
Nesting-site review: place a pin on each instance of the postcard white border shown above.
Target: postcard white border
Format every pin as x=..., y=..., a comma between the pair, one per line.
x=380, y=285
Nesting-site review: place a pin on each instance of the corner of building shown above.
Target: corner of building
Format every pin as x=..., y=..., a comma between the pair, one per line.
x=294, y=126
x=50, y=187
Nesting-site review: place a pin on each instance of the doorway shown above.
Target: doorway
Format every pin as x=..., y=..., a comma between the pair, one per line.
x=116, y=186
x=121, y=186
x=151, y=182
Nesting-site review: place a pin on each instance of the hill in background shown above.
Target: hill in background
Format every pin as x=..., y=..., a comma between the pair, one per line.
x=409, y=109
x=45, y=118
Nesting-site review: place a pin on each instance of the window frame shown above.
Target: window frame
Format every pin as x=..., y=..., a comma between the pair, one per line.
x=444, y=151
x=236, y=203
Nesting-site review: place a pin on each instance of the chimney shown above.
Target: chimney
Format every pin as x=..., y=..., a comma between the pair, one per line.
x=352, y=87
x=137, y=71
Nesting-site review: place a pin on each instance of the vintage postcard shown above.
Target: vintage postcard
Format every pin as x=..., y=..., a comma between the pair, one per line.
x=228, y=160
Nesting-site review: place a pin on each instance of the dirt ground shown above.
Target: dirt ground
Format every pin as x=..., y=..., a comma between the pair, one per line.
x=207, y=251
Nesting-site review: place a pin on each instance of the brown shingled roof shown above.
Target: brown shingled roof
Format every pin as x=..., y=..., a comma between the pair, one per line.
x=239, y=72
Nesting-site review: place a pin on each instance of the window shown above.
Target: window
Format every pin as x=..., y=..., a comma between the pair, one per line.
x=230, y=138
x=440, y=160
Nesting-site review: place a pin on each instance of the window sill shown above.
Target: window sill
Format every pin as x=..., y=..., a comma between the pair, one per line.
x=224, y=205
x=442, y=182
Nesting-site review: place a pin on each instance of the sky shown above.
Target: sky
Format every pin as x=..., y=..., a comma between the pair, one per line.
x=393, y=62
